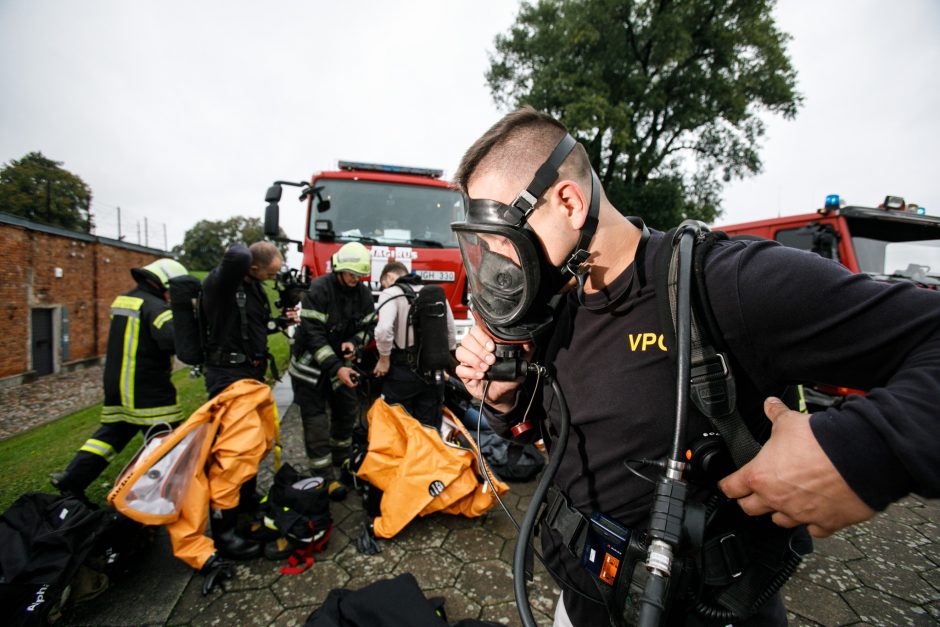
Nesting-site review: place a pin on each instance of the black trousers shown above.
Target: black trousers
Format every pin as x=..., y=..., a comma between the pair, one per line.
x=421, y=399
x=327, y=436
x=97, y=452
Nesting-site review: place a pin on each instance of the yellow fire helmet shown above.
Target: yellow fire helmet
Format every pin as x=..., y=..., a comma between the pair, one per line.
x=161, y=269
x=352, y=257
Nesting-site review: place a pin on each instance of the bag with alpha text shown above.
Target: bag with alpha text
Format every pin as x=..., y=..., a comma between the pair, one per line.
x=44, y=539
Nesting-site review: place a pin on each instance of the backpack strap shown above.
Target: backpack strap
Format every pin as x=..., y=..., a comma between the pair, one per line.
x=712, y=385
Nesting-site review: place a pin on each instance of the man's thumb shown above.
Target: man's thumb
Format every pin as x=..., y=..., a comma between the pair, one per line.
x=735, y=485
x=774, y=408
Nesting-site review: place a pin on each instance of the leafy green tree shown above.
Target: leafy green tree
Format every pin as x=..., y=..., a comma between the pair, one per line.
x=666, y=95
x=36, y=188
x=205, y=243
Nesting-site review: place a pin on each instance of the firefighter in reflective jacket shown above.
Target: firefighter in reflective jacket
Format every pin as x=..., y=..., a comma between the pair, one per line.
x=337, y=318
x=138, y=392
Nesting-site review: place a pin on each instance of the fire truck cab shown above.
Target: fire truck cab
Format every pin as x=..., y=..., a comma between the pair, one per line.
x=895, y=241
x=399, y=213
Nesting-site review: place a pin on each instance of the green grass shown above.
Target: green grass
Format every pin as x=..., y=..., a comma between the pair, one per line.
x=26, y=460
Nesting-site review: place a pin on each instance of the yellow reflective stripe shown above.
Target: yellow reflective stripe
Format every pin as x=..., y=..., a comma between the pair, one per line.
x=100, y=448
x=340, y=443
x=361, y=336
x=129, y=361
x=127, y=302
x=148, y=416
x=163, y=318
x=369, y=318
x=324, y=353
x=335, y=382
x=163, y=410
x=320, y=462
x=314, y=314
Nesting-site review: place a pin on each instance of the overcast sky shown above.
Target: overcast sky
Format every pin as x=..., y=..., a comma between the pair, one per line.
x=180, y=111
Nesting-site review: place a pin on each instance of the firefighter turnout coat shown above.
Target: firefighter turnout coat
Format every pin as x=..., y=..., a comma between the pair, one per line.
x=201, y=464
x=139, y=359
x=330, y=314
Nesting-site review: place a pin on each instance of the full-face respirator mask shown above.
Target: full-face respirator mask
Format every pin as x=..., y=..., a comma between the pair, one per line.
x=511, y=278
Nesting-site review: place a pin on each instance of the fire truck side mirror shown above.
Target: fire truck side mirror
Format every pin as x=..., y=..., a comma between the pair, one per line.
x=273, y=194
x=271, y=217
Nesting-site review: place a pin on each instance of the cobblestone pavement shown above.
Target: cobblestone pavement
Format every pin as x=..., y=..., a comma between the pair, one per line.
x=28, y=405
x=883, y=572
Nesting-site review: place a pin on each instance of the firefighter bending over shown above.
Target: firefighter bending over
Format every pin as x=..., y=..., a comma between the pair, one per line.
x=138, y=392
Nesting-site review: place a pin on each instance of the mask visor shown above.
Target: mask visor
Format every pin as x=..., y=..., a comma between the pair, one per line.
x=503, y=279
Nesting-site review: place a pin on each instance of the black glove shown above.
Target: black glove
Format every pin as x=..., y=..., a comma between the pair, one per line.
x=216, y=570
x=365, y=543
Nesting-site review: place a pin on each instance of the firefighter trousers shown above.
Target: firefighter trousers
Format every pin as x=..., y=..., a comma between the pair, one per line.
x=327, y=436
x=97, y=452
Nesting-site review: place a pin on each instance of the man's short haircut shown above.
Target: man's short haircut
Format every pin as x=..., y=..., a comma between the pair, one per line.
x=263, y=254
x=393, y=267
x=516, y=146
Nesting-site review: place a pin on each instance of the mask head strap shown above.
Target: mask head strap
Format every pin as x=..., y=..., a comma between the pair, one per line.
x=545, y=176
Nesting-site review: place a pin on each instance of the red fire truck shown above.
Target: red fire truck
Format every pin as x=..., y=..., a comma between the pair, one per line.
x=895, y=241
x=397, y=212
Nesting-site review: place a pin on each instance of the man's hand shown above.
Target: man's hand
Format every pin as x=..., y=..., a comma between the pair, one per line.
x=475, y=356
x=292, y=315
x=348, y=376
x=348, y=349
x=793, y=478
x=381, y=368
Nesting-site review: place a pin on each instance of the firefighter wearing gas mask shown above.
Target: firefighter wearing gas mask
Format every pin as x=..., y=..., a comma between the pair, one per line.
x=559, y=277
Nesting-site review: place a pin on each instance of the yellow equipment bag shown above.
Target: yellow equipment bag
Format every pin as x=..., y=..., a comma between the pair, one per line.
x=422, y=472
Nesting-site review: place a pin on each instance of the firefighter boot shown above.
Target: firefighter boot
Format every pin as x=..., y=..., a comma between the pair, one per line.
x=334, y=487
x=227, y=542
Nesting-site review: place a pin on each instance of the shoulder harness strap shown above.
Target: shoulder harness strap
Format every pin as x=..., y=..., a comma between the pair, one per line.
x=712, y=383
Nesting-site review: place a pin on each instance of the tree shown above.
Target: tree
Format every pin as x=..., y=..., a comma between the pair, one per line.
x=666, y=95
x=206, y=242
x=36, y=188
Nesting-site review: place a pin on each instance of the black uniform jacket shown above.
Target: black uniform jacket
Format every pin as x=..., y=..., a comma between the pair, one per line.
x=219, y=290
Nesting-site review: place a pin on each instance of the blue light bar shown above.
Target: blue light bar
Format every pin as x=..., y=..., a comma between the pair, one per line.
x=832, y=201
x=391, y=169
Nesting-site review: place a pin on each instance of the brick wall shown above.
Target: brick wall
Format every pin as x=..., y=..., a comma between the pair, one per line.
x=79, y=275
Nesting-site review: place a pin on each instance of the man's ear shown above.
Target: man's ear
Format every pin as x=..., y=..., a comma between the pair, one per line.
x=571, y=198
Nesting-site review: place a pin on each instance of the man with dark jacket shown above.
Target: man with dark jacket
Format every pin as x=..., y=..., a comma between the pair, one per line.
x=538, y=224
x=138, y=392
x=239, y=315
x=337, y=319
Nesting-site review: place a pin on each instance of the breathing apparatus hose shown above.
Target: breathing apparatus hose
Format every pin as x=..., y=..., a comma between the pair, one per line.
x=668, y=511
x=528, y=523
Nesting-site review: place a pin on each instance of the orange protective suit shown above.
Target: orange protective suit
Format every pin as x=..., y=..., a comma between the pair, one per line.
x=420, y=472
x=202, y=463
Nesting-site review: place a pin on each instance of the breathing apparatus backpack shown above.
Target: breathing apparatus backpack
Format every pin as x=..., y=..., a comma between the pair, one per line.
x=429, y=350
x=738, y=562
x=189, y=322
x=296, y=520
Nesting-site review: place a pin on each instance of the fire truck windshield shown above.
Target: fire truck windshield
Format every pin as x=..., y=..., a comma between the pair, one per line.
x=896, y=249
x=389, y=213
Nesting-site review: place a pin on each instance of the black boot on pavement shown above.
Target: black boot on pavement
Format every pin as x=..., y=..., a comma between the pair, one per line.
x=227, y=542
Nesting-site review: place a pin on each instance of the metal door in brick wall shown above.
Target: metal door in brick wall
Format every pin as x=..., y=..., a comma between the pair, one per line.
x=42, y=348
